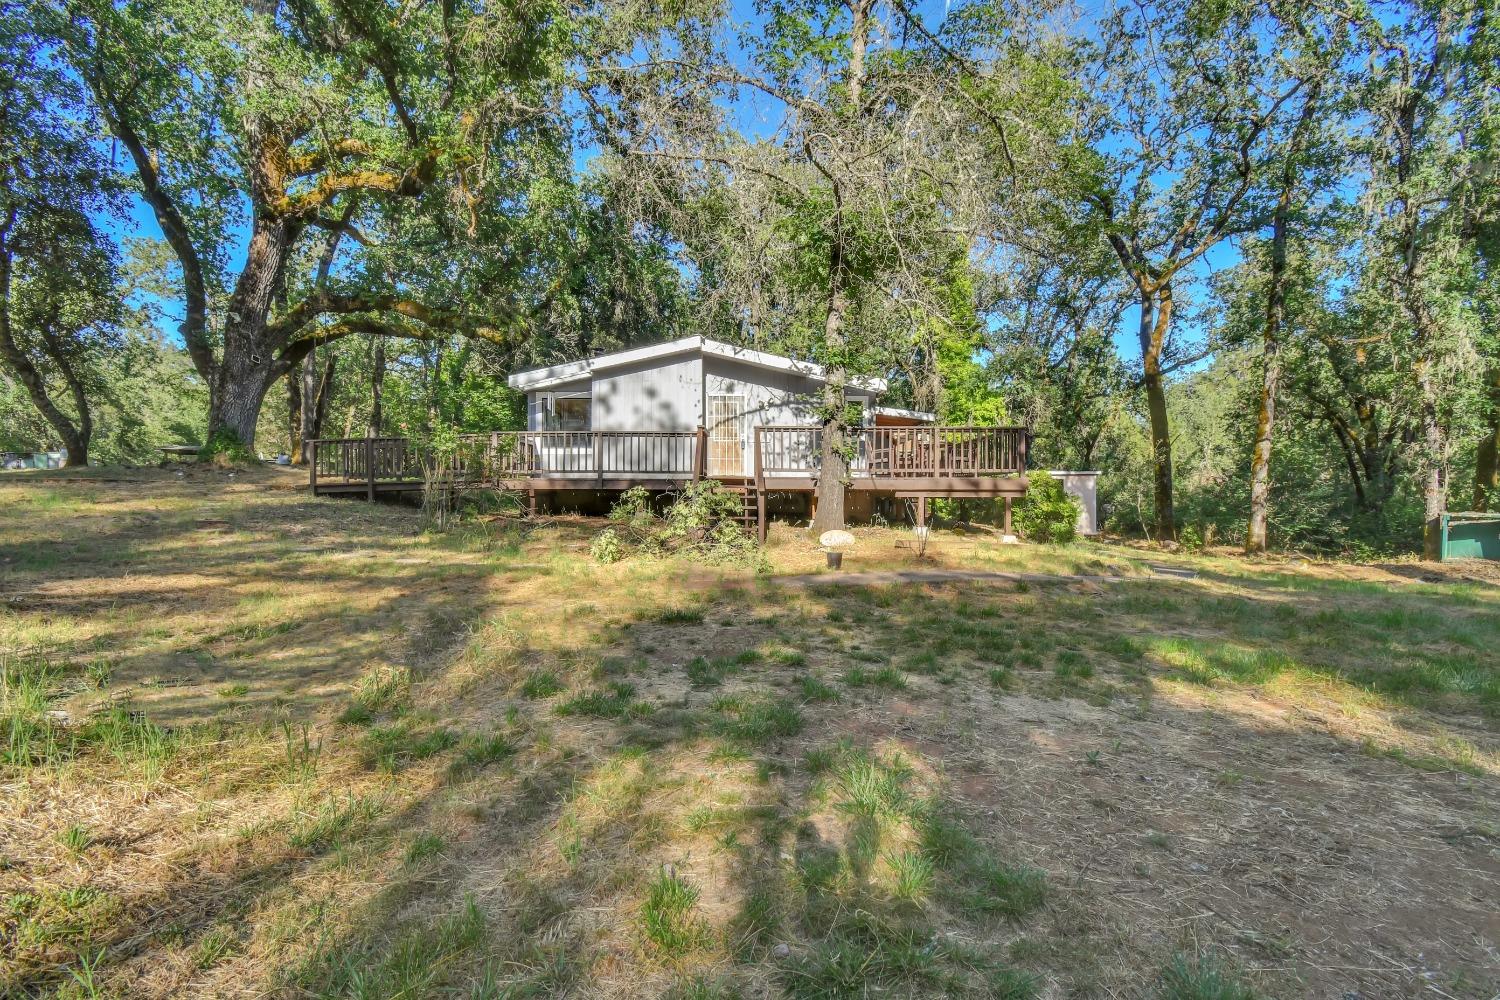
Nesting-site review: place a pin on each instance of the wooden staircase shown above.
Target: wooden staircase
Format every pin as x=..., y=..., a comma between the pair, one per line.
x=749, y=506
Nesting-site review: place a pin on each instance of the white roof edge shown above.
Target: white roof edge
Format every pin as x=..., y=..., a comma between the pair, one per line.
x=896, y=411
x=542, y=378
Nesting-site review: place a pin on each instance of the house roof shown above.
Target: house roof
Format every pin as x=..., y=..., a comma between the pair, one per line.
x=570, y=371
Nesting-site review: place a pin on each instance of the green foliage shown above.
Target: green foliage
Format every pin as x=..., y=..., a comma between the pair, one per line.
x=615, y=701
x=224, y=445
x=75, y=839
x=455, y=383
x=542, y=684
x=1202, y=977
x=634, y=507
x=968, y=394
x=606, y=547
x=757, y=721
x=701, y=523
x=1047, y=513
x=667, y=916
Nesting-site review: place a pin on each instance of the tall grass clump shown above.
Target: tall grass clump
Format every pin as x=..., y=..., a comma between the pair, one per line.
x=1203, y=977
x=30, y=738
x=667, y=917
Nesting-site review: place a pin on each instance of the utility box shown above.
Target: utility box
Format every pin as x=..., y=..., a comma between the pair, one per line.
x=1469, y=535
x=1083, y=487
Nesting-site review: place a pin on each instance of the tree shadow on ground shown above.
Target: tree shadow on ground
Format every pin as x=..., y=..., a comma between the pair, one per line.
x=1168, y=816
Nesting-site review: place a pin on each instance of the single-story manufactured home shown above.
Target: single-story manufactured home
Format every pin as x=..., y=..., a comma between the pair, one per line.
x=686, y=384
x=664, y=415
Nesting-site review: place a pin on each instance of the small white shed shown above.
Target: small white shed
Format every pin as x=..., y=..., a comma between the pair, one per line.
x=1084, y=487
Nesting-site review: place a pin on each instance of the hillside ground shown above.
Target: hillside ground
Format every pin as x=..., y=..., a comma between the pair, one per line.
x=259, y=744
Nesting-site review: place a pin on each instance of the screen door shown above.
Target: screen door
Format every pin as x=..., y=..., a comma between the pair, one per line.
x=726, y=439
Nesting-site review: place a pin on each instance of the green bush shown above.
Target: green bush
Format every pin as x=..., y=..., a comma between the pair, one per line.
x=225, y=447
x=633, y=507
x=607, y=548
x=702, y=522
x=1047, y=513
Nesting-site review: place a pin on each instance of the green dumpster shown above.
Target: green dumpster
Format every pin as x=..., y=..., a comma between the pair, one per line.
x=1469, y=536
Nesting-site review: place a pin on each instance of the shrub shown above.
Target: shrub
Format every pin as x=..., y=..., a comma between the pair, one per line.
x=702, y=523
x=607, y=548
x=633, y=507
x=224, y=447
x=1047, y=513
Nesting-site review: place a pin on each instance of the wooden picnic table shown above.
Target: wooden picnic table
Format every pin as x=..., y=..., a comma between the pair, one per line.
x=180, y=450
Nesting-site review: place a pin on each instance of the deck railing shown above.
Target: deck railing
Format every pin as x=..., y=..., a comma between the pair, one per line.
x=512, y=455
x=898, y=452
x=563, y=454
x=585, y=456
x=349, y=460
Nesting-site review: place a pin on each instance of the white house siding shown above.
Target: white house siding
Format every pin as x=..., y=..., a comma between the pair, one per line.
x=660, y=394
x=671, y=394
x=772, y=398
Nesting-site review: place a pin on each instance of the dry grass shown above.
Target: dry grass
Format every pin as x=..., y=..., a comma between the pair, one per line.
x=265, y=745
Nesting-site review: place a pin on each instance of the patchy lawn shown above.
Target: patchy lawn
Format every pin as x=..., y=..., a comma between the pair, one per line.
x=256, y=743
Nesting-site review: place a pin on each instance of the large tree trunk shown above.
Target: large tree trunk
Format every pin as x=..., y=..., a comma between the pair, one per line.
x=1434, y=466
x=1270, y=384
x=294, y=416
x=316, y=392
x=1260, y=454
x=1156, y=320
x=833, y=470
x=377, y=388
x=248, y=367
x=1487, y=461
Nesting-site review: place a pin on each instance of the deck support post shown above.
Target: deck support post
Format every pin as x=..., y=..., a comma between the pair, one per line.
x=1007, y=515
x=922, y=511
x=531, y=504
x=370, y=470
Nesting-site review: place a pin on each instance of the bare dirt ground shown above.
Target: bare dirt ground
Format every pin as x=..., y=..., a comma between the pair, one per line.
x=265, y=745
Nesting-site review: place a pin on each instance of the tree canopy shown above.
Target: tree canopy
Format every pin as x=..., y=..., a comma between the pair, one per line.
x=1239, y=255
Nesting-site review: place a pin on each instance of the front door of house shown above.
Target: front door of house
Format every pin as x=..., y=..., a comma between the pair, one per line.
x=726, y=436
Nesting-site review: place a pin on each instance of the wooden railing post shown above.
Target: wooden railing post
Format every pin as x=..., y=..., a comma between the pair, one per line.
x=760, y=468
x=599, y=457
x=370, y=469
x=312, y=465
x=700, y=453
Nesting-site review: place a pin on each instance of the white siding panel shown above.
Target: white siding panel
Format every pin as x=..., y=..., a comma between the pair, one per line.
x=660, y=394
x=772, y=398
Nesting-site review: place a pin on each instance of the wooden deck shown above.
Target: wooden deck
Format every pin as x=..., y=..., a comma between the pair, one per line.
x=919, y=463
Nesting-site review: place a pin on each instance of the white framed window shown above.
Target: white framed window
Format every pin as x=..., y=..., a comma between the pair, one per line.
x=567, y=413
